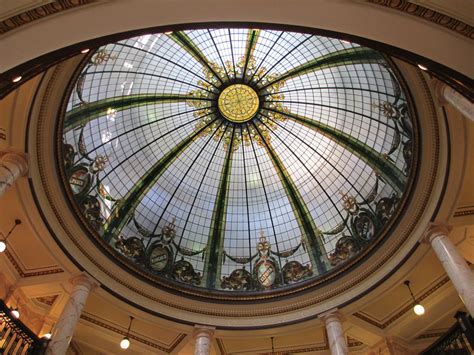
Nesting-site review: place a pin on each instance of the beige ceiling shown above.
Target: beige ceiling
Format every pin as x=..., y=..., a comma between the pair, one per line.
x=360, y=18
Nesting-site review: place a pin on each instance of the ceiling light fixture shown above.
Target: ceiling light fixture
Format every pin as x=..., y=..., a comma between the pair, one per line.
x=84, y=51
x=417, y=308
x=422, y=67
x=168, y=32
x=49, y=334
x=15, y=312
x=3, y=242
x=16, y=79
x=125, y=343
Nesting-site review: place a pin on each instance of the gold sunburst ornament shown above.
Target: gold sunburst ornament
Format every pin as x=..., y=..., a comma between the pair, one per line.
x=238, y=103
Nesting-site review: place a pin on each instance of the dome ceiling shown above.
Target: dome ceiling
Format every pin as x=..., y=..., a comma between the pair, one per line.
x=237, y=159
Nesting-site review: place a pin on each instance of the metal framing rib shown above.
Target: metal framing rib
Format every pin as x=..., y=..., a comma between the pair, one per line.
x=122, y=212
x=86, y=113
x=308, y=227
x=370, y=156
x=213, y=259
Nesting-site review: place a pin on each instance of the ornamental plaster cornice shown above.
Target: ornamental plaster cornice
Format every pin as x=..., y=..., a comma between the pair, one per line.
x=464, y=211
x=403, y=310
x=435, y=17
x=38, y=13
x=167, y=348
x=404, y=6
x=30, y=273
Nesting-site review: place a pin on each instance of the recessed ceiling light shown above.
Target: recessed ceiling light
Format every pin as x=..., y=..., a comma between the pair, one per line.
x=422, y=67
x=84, y=51
x=17, y=79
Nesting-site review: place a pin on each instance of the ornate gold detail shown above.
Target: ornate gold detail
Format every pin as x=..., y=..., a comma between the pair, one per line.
x=169, y=231
x=238, y=103
x=100, y=57
x=263, y=245
x=349, y=203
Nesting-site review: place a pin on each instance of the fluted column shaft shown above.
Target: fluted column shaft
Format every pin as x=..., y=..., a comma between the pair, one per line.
x=336, y=338
x=12, y=166
x=67, y=322
x=203, y=337
x=454, y=264
x=446, y=93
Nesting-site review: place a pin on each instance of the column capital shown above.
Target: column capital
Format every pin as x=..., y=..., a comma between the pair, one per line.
x=331, y=315
x=20, y=159
x=435, y=230
x=84, y=279
x=203, y=330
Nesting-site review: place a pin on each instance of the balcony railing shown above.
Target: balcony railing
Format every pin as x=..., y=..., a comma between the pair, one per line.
x=459, y=339
x=15, y=337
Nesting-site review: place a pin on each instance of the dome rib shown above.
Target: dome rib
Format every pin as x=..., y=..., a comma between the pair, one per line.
x=308, y=227
x=344, y=219
x=382, y=166
x=349, y=56
x=128, y=204
x=306, y=210
x=189, y=46
x=172, y=62
x=252, y=39
x=214, y=243
x=182, y=179
x=199, y=188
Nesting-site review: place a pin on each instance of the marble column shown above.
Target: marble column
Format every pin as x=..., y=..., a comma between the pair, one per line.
x=64, y=329
x=454, y=264
x=336, y=338
x=446, y=93
x=12, y=166
x=202, y=339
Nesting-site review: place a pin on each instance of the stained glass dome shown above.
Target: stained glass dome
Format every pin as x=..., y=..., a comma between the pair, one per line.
x=235, y=159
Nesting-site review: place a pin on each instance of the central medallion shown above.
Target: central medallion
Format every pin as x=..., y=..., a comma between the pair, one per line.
x=238, y=103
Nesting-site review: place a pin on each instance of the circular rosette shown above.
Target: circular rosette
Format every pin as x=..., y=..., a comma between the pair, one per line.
x=159, y=257
x=238, y=103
